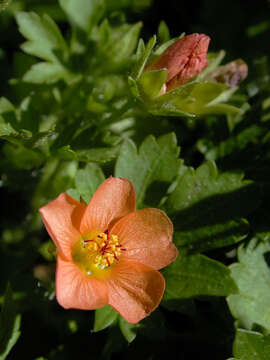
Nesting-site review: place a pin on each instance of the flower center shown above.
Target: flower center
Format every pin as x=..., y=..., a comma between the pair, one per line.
x=97, y=251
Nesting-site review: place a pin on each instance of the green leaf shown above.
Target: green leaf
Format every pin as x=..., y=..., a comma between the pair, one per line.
x=74, y=193
x=4, y=4
x=133, y=87
x=57, y=177
x=87, y=180
x=9, y=324
x=47, y=249
x=163, y=32
x=122, y=42
x=84, y=13
x=204, y=194
x=143, y=57
x=23, y=158
x=212, y=236
x=250, y=345
x=202, y=94
x=98, y=155
x=45, y=72
x=252, y=275
x=128, y=330
x=249, y=135
x=209, y=207
x=104, y=317
x=43, y=35
x=6, y=129
x=8, y=120
x=151, y=82
x=195, y=98
x=171, y=103
x=197, y=275
x=156, y=161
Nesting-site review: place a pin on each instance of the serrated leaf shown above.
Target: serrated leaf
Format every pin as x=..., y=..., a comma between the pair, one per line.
x=9, y=324
x=197, y=275
x=204, y=194
x=104, y=317
x=208, y=207
x=87, y=180
x=252, y=276
x=98, y=155
x=84, y=13
x=250, y=345
x=43, y=35
x=156, y=161
x=211, y=236
x=8, y=120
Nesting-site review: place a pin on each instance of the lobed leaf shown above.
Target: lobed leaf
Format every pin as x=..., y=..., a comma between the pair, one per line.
x=43, y=35
x=250, y=345
x=87, y=180
x=155, y=161
x=197, y=275
x=252, y=276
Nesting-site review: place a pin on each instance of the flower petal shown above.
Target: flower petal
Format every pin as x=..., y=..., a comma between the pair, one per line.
x=75, y=290
x=61, y=218
x=147, y=237
x=135, y=290
x=115, y=198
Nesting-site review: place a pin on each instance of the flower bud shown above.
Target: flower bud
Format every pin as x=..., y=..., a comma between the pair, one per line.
x=183, y=60
x=230, y=74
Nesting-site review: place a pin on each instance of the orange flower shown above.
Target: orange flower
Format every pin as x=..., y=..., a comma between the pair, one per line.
x=184, y=59
x=109, y=252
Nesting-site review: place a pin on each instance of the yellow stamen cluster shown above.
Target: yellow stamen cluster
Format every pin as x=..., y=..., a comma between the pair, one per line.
x=103, y=249
x=95, y=252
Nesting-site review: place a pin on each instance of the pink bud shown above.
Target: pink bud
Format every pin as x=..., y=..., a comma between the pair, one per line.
x=184, y=59
x=230, y=74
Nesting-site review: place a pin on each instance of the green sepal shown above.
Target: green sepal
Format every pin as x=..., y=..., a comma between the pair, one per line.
x=104, y=317
x=163, y=32
x=143, y=57
x=151, y=82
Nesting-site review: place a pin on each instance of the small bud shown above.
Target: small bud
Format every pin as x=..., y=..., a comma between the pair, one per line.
x=44, y=273
x=183, y=60
x=230, y=74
